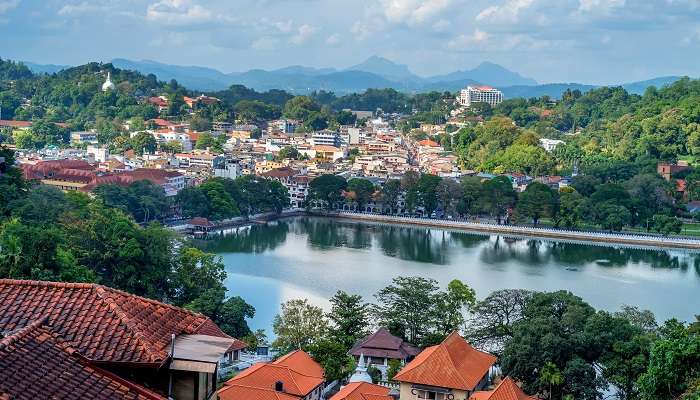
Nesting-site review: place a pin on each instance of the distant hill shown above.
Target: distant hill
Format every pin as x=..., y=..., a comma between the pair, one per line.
x=486, y=73
x=375, y=72
x=385, y=68
x=44, y=68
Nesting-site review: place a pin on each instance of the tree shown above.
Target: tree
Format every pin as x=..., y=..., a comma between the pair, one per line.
x=390, y=194
x=406, y=307
x=228, y=314
x=427, y=192
x=143, y=142
x=394, y=368
x=449, y=194
x=470, y=199
x=451, y=307
x=572, y=209
x=298, y=325
x=553, y=329
x=289, y=152
x=666, y=225
x=493, y=319
x=255, y=340
x=194, y=273
x=551, y=376
x=333, y=357
x=673, y=364
x=537, y=201
x=498, y=196
x=361, y=191
x=327, y=189
x=611, y=216
x=349, y=317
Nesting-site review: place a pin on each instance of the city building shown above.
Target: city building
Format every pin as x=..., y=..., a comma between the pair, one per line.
x=479, y=94
x=381, y=347
x=230, y=169
x=83, y=137
x=326, y=138
x=83, y=340
x=295, y=376
x=452, y=370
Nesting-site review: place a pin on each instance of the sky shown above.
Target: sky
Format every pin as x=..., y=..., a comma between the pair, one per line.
x=587, y=41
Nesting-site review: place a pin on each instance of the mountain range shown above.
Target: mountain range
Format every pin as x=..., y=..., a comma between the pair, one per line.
x=375, y=72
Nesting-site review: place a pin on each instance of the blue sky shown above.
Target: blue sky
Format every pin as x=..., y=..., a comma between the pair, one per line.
x=590, y=41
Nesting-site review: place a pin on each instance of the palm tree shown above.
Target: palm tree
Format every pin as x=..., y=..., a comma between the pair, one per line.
x=551, y=376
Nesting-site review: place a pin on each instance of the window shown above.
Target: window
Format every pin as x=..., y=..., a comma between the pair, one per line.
x=428, y=395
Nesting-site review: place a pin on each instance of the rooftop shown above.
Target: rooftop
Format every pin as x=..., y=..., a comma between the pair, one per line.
x=36, y=364
x=362, y=391
x=453, y=364
x=297, y=371
x=506, y=390
x=383, y=344
x=101, y=323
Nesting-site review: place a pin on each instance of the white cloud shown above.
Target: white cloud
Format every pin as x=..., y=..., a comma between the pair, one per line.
x=8, y=5
x=178, y=12
x=507, y=12
x=333, y=40
x=468, y=42
x=79, y=8
x=264, y=43
x=442, y=25
x=413, y=12
x=304, y=33
x=600, y=6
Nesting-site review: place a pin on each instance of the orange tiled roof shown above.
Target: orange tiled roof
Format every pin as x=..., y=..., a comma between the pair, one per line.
x=239, y=392
x=101, y=323
x=298, y=372
x=36, y=364
x=362, y=391
x=428, y=143
x=506, y=390
x=453, y=364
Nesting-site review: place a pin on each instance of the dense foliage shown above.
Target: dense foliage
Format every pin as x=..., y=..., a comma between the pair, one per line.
x=46, y=234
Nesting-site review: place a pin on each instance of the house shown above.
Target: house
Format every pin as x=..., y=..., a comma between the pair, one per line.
x=382, y=347
x=667, y=170
x=506, y=390
x=142, y=345
x=452, y=370
x=362, y=391
x=295, y=376
x=28, y=353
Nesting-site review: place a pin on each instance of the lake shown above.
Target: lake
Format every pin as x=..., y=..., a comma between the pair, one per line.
x=312, y=257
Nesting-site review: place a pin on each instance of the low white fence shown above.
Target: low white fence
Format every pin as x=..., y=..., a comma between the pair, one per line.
x=585, y=236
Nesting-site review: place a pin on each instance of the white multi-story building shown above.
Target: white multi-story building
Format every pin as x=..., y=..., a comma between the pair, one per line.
x=479, y=94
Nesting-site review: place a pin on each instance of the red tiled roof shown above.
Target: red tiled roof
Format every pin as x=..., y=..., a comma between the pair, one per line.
x=297, y=371
x=36, y=364
x=101, y=323
x=506, y=390
x=15, y=124
x=362, y=391
x=384, y=345
x=453, y=364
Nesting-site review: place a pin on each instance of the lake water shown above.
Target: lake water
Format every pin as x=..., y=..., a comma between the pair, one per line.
x=312, y=258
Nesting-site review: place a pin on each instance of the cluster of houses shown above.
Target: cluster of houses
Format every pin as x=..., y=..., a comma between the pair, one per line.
x=87, y=341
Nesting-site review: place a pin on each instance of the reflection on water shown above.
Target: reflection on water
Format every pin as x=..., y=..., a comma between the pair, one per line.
x=314, y=257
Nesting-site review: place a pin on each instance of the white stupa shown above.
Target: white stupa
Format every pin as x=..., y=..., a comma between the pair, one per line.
x=108, y=85
x=360, y=374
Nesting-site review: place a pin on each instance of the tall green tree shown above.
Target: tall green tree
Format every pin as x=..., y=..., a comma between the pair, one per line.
x=299, y=325
x=349, y=317
x=537, y=201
